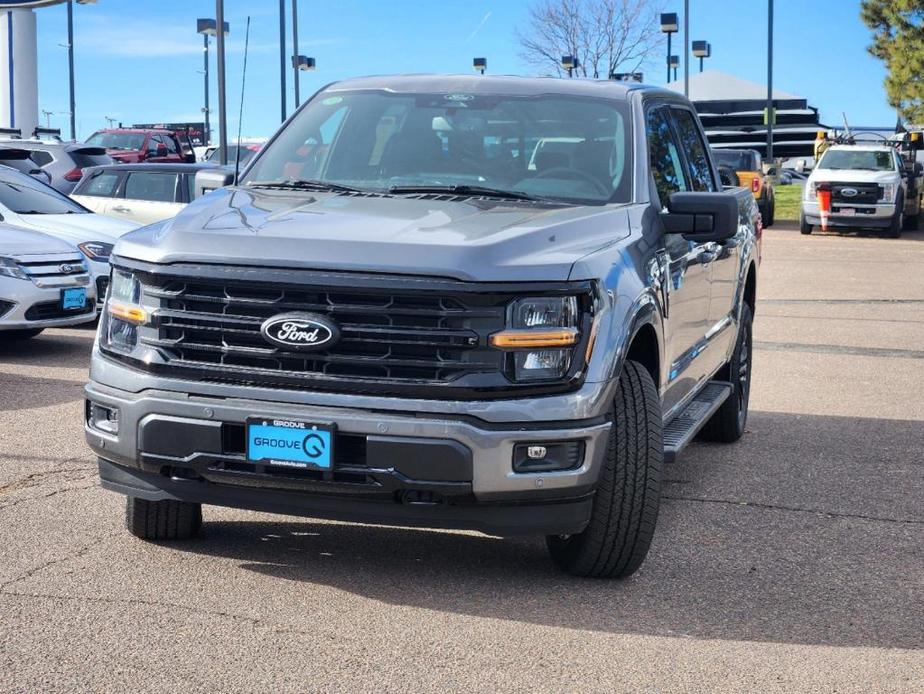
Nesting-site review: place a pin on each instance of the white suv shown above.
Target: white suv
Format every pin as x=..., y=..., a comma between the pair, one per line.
x=869, y=188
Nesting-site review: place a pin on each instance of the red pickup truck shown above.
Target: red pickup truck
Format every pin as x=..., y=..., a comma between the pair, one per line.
x=136, y=145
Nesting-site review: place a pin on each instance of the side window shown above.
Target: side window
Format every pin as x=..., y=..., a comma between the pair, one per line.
x=171, y=144
x=102, y=185
x=663, y=155
x=156, y=187
x=190, y=180
x=41, y=157
x=692, y=143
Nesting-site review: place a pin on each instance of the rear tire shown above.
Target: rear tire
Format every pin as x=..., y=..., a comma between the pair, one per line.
x=26, y=334
x=728, y=423
x=625, y=506
x=162, y=520
x=804, y=226
x=771, y=214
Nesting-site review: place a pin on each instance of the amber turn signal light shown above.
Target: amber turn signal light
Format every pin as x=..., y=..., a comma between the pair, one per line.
x=130, y=313
x=525, y=339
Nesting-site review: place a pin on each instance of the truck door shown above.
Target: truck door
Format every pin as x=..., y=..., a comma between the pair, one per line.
x=687, y=305
x=724, y=257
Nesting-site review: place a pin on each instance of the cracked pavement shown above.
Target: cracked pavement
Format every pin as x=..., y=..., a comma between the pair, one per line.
x=791, y=561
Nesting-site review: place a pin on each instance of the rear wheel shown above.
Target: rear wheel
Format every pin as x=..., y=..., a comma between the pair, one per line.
x=20, y=334
x=771, y=213
x=625, y=507
x=162, y=520
x=727, y=424
x=804, y=226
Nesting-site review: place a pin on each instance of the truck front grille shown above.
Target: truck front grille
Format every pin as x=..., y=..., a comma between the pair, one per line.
x=386, y=334
x=862, y=193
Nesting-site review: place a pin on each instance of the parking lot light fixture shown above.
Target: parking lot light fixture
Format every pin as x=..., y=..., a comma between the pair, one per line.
x=207, y=27
x=480, y=65
x=570, y=63
x=669, y=26
x=674, y=63
x=701, y=50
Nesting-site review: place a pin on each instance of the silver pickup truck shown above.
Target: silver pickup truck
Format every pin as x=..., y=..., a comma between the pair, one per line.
x=490, y=303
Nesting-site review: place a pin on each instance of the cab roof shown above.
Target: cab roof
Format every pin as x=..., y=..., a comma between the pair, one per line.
x=494, y=84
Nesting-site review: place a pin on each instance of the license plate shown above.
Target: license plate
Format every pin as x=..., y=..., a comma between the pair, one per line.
x=847, y=212
x=290, y=443
x=73, y=298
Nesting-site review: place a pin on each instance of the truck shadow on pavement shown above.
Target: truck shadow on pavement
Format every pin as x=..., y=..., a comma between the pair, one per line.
x=809, y=532
x=70, y=349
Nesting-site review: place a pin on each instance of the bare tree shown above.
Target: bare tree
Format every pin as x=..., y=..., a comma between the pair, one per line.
x=606, y=36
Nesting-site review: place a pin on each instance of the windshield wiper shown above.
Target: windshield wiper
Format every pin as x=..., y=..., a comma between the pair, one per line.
x=307, y=184
x=463, y=189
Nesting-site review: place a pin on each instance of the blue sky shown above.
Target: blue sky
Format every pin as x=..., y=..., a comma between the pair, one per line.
x=139, y=61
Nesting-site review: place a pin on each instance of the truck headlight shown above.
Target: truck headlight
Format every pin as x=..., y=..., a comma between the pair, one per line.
x=96, y=250
x=888, y=192
x=811, y=191
x=10, y=268
x=124, y=312
x=541, y=335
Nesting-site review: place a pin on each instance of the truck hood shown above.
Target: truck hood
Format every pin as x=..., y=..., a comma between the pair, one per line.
x=854, y=176
x=439, y=236
x=17, y=242
x=77, y=228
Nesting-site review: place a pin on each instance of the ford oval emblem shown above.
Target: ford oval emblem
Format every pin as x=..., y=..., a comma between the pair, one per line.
x=300, y=331
x=849, y=192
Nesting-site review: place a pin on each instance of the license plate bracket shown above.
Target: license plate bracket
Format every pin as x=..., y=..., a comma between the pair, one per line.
x=290, y=443
x=73, y=298
x=847, y=212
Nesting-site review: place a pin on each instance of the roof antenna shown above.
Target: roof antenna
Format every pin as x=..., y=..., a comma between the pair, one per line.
x=240, y=116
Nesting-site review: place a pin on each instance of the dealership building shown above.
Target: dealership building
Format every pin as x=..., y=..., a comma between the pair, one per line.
x=732, y=112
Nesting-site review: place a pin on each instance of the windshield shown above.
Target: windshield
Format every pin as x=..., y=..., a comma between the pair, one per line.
x=117, y=140
x=865, y=160
x=24, y=195
x=566, y=148
x=737, y=160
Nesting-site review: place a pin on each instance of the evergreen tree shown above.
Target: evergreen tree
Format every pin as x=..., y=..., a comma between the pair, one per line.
x=898, y=40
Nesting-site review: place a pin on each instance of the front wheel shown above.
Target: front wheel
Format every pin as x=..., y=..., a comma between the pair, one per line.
x=625, y=507
x=894, y=230
x=804, y=226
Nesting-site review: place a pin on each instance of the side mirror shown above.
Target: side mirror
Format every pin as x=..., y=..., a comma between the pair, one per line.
x=208, y=180
x=702, y=216
x=771, y=171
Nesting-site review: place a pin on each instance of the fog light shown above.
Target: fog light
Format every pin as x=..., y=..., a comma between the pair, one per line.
x=103, y=418
x=545, y=457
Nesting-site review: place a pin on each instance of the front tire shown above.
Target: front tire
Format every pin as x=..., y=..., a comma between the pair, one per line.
x=898, y=220
x=728, y=423
x=625, y=507
x=804, y=227
x=162, y=520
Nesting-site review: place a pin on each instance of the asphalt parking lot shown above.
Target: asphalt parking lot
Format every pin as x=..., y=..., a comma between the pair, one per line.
x=792, y=561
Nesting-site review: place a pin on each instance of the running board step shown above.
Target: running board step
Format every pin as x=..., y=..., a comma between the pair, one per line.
x=687, y=424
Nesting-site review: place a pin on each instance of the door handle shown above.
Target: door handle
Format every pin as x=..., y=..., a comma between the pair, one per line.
x=121, y=208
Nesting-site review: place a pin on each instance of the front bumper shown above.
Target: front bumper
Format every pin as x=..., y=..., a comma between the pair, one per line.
x=18, y=296
x=878, y=216
x=402, y=467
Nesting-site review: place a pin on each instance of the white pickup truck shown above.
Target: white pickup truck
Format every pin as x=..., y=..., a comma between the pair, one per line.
x=870, y=187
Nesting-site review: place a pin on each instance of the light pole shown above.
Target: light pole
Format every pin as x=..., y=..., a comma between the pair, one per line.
x=295, y=67
x=282, y=61
x=480, y=65
x=570, y=63
x=702, y=49
x=110, y=121
x=207, y=27
x=669, y=27
x=673, y=63
x=686, y=48
x=222, y=115
x=770, y=114
x=70, y=60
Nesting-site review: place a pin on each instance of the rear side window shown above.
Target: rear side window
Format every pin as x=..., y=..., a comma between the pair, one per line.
x=692, y=143
x=41, y=157
x=156, y=187
x=101, y=185
x=664, y=155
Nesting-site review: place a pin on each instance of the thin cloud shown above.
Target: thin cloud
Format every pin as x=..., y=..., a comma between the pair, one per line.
x=484, y=20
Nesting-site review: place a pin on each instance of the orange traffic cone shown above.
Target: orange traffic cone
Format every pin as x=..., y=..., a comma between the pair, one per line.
x=824, y=203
